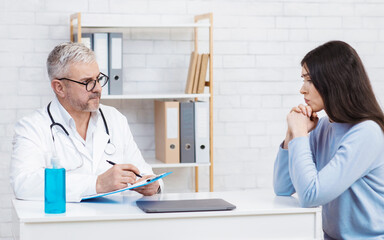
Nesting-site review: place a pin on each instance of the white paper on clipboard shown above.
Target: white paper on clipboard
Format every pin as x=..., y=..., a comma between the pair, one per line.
x=136, y=185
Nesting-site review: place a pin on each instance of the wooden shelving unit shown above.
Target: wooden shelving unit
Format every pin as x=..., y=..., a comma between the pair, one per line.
x=156, y=96
x=79, y=21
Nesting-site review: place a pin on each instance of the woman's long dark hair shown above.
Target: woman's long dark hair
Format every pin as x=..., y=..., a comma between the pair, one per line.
x=340, y=78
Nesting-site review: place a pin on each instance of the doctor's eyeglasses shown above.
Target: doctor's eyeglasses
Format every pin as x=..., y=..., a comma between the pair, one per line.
x=90, y=84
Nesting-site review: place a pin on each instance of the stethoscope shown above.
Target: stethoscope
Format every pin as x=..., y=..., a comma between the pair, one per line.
x=110, y=149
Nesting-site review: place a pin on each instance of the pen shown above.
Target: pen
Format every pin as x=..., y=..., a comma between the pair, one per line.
x=112, y=163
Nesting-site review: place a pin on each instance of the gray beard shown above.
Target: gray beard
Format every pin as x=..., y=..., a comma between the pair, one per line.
x=84, y=107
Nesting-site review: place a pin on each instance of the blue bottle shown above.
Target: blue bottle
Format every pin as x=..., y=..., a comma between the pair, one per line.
x=54, y=188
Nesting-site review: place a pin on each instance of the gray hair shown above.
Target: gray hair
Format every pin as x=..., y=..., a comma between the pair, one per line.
x=64, y=54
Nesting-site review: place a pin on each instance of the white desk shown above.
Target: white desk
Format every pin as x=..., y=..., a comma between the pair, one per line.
x=259, y=215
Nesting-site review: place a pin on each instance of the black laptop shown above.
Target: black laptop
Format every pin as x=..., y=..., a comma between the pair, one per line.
x=193, y=205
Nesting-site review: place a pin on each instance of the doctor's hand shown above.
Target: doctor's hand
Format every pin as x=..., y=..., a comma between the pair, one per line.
x=117, y=177
x=149, y=189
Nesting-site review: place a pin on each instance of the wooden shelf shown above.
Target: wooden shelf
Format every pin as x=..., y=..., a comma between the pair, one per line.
x=97, y=20
x=156, y=96
x=107, y=22
x=155, y=163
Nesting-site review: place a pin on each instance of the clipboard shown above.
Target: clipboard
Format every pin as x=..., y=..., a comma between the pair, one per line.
x=136, y=185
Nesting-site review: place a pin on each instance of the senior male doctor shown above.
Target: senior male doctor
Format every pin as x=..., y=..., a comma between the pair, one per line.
x=80, y=131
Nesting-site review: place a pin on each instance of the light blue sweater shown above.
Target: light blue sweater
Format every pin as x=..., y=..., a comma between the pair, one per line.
x=341, y=167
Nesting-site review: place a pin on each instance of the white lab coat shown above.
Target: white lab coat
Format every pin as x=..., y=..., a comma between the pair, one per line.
x=33, y=140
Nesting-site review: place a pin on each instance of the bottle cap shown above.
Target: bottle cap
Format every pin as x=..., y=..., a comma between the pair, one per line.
x=55, y=161
x=51, y=160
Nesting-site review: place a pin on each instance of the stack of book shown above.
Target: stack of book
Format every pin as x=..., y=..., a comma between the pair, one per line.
x=197, y=73
x=182, y=131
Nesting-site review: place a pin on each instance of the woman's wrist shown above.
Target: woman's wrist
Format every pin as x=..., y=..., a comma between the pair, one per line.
x=299, y=133
x=291, y=135
x=287, y=139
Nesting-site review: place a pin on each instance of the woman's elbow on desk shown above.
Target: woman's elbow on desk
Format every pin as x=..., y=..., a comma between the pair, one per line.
x=304, y=201
x=281, y=193
x=307, y=204
x=309, y=199
x=283, y=190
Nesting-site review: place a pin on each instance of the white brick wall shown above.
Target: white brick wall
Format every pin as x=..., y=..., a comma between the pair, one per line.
x=258, y=46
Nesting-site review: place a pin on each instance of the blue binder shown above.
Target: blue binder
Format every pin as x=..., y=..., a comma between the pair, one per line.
x=187, y=132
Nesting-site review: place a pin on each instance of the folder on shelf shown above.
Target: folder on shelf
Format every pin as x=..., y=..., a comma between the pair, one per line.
x=167, y=131
x=202, y=132
x=100, y=47
x=187, y=132
x=86, y=39
x=115, y=63
x=203, y=73
x=197, y=73
x=191, y=73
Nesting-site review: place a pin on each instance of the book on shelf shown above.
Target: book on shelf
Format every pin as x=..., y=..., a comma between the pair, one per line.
x=191, y=73
x=203, y=73
x=197, y=73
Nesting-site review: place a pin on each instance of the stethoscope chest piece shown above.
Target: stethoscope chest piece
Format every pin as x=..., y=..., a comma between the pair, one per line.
x=110, y=149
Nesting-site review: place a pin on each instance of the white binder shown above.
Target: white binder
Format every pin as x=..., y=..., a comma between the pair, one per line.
x=100, y=47
x=202, y=132
x=115, y=63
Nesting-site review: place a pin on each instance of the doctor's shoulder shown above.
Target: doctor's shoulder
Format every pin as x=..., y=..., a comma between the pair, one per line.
x=36, y=122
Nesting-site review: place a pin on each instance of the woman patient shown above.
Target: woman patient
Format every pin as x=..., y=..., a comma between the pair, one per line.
x=336, y=162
